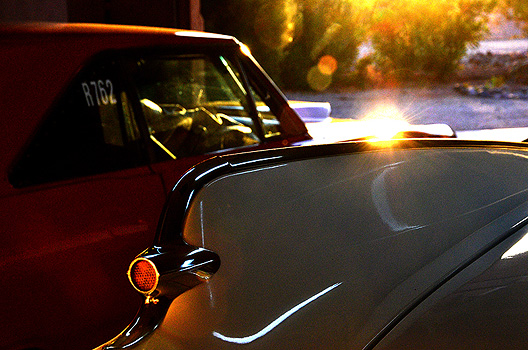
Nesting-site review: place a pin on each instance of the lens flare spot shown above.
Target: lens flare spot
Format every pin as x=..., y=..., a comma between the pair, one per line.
x=317, y=80
x=327, y=64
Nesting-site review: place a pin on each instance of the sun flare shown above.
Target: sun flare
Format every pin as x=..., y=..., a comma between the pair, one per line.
x=385, y=122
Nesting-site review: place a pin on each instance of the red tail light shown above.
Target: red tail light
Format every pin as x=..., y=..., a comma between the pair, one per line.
x=143, y=275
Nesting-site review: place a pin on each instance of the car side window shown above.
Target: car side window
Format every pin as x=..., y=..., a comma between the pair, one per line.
x=193, y=104
x=270, y=123
x=91, y=130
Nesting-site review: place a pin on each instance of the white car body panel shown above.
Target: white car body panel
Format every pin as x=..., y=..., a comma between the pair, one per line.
x=329, y=252
x=311, y=112
x=498, y=134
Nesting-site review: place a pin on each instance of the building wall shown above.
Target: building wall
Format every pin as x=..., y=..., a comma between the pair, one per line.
x=183, y=14
x=33, y=10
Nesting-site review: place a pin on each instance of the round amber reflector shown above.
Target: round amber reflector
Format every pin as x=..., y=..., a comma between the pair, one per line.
x=143, y=275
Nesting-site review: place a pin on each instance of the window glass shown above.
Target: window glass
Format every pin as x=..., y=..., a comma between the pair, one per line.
x=270, y=123
x=92, y=130
x=193, y=104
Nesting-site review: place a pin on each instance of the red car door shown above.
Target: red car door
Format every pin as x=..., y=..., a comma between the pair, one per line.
x=83, y=202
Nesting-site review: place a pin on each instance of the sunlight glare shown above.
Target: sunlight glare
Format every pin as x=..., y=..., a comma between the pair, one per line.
x=245, y=49
x=385, y=122
x=521, y=247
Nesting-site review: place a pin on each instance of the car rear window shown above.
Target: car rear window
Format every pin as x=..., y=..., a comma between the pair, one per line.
x=90, y=130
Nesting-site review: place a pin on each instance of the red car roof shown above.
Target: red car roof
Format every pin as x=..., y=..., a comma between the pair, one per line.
x=61, y=31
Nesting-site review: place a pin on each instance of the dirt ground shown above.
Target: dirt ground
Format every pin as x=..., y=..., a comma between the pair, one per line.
x=426, y=105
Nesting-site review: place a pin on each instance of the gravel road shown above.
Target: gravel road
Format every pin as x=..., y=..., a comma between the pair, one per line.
x=440, y=104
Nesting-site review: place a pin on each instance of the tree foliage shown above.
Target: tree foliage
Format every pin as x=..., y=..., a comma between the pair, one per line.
x=311, y=44
x=412, y=36
x=289, y=37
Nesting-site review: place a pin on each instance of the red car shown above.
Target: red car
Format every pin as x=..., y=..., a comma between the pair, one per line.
x=98, y=122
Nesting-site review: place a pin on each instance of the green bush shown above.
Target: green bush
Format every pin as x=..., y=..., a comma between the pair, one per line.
x=426, y=37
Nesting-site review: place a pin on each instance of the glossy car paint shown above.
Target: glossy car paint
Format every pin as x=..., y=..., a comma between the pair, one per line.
x=336, y=246
x=66, y=245
x=484, y=307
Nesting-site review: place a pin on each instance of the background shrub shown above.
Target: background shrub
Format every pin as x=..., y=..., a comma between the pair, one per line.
x=426, y=37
